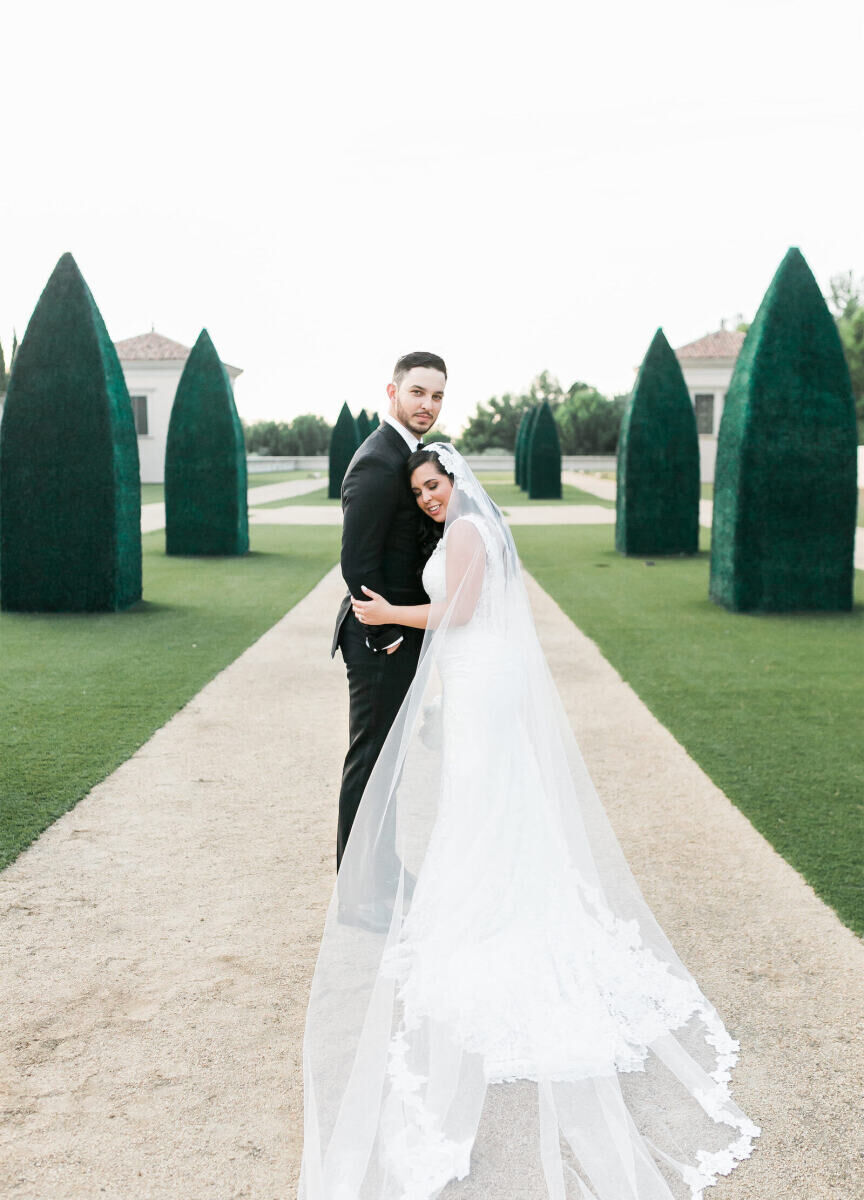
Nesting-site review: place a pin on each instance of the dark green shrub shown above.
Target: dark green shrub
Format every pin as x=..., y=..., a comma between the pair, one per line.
x=70, y=494
x=543, y=458
x=205, y=461
x=533, y=414
x=657, y=504
x=363, y=426
x=343, y=443
x=374, y=422
x=785, y=490
x=519, y=448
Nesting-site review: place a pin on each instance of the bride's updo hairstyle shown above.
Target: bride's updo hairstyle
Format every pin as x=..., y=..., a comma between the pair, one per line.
x=430, y=532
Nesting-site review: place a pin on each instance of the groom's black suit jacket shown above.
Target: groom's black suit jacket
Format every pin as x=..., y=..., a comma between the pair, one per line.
x=380, y=532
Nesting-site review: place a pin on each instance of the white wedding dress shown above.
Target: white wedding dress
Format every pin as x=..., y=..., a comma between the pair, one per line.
x=525, y=953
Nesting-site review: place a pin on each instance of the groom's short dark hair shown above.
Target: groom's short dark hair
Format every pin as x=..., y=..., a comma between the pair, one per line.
x=417, y=358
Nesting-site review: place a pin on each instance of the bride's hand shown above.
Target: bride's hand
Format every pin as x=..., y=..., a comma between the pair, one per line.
x=375, y=611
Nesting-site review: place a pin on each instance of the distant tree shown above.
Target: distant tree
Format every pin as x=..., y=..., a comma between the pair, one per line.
x=494, y=425
x=307, y=434
x=437, y=435
x=588, y=422
x=4, y=378
x=14, y=349
x=846, y=301
x=374, y=422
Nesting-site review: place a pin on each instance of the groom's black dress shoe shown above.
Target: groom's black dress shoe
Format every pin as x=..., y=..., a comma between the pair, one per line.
x=374, y=917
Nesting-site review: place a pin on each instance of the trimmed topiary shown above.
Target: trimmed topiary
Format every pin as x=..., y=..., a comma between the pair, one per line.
x=533, y=413
x=785, y=492
x=363, y=426
x=543, y=457
x=519, y=448
x=657, y=502
x=343, y=443
x=70, y=493
x=205, y=461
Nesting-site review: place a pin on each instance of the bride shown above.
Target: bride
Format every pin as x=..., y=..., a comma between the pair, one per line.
x=503, y=1018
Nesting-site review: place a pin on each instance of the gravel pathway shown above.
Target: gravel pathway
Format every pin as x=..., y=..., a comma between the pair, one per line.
x=157, y=942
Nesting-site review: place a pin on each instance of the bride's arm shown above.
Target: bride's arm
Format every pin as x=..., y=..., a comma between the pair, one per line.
x=466, y=564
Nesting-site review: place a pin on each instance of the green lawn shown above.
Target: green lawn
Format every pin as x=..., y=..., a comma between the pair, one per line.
x=769, y=706
x=80, y=693
x=500, y=487
x=154, y=493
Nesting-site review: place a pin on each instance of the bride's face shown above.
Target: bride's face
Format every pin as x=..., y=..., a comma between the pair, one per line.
x=432, y=489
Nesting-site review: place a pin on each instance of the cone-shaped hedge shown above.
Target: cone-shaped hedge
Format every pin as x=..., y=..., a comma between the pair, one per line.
x=657, y=503
x=519, y=448
x=205, y=461
x=374, y=422
x=70, y=495
x=543, y=457
x=363, y=426
x=533, y=414
x=785, y=492
x=343, y=443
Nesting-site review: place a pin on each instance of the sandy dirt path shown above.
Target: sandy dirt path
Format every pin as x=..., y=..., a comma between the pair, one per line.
x=157, y=942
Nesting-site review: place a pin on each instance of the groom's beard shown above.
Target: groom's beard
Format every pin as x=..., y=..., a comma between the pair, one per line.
x=421, y=427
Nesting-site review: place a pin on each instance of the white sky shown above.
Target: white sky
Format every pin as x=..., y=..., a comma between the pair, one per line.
x=514, y=186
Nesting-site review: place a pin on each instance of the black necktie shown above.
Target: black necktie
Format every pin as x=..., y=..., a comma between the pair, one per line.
x=419, y=446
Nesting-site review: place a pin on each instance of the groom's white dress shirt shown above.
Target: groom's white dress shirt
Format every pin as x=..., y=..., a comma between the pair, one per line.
x=411, y=439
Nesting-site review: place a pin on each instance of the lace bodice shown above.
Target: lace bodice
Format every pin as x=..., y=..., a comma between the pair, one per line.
x=435, y=572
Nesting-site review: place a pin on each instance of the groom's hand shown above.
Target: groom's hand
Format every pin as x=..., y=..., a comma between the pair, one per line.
x=392, y=649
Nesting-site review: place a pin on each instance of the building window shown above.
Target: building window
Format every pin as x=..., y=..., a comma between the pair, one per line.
x=139, y=411
x=704, y=404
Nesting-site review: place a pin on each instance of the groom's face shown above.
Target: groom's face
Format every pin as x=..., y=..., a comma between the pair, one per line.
x=416, y=402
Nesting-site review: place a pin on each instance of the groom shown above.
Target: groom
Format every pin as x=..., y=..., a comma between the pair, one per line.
x=380, y=548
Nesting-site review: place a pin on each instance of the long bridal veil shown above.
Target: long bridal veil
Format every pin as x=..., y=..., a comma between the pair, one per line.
x=514, y=1023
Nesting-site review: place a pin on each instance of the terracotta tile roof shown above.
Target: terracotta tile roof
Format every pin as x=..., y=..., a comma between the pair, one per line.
x=149, y=346
x=153, y=346
x=724, y=343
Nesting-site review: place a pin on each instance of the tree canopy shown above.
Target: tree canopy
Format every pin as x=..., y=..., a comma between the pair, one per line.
x=846, y=301
x=588, y=422
x=306, y=434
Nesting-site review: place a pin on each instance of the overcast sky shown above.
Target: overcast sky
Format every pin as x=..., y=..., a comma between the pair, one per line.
x=514, y=186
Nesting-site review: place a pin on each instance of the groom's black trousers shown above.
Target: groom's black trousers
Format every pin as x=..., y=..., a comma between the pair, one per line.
x=377, y=685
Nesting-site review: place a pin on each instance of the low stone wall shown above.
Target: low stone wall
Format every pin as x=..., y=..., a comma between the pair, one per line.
x=477, y=462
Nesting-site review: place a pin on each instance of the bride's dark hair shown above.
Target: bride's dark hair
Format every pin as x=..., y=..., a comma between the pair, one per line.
x=429, y=532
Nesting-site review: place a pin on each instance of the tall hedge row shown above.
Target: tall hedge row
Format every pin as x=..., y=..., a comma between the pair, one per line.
x=364, y=428
x=785, y=492
x=344, y=441
x=520, y=447
x=205, y=461
x=70, y=494
x=657, y=501
x=543, y=457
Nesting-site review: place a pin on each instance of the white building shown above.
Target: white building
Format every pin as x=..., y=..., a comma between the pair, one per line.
x=152, y=365
x=707, y=366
